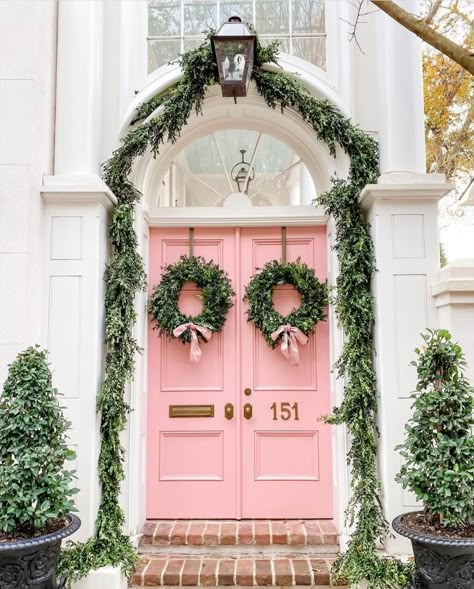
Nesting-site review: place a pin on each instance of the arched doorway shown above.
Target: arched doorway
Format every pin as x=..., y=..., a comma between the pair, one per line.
x=276, y=462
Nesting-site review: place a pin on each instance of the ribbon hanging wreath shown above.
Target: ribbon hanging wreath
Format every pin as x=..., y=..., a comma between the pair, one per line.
x=217, y=296
x=299, y=324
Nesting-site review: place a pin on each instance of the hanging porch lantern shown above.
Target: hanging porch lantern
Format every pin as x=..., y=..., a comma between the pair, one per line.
x=234, y=48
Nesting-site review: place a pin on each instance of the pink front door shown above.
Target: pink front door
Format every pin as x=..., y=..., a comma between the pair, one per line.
x=276, y=463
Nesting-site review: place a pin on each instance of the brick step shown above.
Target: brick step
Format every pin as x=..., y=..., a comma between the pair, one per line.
x=206, y=571
x=242, y=536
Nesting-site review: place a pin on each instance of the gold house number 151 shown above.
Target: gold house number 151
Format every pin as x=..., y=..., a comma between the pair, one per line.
x=285, y=411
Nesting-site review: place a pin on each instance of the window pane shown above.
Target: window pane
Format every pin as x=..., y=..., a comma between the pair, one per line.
x=284, y=43
x=308, y=16
x=311, y=49
x=164, y=18
x=162, y=52
x=193, y=43
x=272, y=16
x=242, y=9
x=199, y=16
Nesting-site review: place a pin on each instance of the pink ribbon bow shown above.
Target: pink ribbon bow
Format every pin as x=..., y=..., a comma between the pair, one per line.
x=289, y=345
x=195, y=352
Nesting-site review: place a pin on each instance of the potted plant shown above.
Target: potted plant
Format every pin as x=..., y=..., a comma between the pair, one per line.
x=439, y=467
x=35, y=487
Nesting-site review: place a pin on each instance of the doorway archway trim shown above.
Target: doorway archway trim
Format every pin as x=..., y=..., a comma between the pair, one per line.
x=296, y=216
x=310, y=76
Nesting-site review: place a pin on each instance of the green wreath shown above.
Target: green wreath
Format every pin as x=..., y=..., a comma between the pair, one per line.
x=259, y=295
x=216, y=290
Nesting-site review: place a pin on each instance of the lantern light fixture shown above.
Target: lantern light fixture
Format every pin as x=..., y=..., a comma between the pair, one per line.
x=240, y=172
x=234, y=49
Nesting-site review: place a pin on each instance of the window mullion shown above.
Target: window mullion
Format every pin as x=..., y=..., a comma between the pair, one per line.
x=290, y=24
x=182, y=26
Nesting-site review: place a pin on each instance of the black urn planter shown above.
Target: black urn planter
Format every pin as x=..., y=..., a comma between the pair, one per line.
x=441, y=563
x=33, y=562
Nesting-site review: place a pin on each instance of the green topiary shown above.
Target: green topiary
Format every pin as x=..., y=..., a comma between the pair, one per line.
x=439, y=448
x=35, y=487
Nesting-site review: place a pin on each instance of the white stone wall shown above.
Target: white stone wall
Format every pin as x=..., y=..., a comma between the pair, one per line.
x=454, y=296
x=27, y=78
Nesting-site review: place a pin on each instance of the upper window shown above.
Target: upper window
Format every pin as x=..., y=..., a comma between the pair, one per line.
x=174, y=26
x=234, y=167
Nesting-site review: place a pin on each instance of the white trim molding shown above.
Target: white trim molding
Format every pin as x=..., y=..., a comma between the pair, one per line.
x=77, y=189
x=425, y=191
x=251, y=217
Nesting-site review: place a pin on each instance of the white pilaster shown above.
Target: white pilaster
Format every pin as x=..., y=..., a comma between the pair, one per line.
x=399, y=87
x=74, y=257
x=79, y=87
x=403, y=220
x=454, y=295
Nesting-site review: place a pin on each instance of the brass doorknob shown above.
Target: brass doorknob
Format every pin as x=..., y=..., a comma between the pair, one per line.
x=247, y=411
x=229, y=411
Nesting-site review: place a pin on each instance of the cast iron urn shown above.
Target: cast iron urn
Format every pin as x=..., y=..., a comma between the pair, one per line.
x=234, y=48
x=441, y=562
x=32, y=562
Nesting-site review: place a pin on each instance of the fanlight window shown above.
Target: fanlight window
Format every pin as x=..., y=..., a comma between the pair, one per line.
x=236, y=168
x=174, y=26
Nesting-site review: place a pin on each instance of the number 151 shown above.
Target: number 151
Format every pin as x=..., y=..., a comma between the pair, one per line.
x=285, y=411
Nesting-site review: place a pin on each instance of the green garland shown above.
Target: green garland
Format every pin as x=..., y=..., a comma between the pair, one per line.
x=217, y=296
x=124, y=277
x=354, y=308
x=259, y=294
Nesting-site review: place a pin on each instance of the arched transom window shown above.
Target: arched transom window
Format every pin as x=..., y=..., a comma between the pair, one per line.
x=174, y=26
x=235, y=168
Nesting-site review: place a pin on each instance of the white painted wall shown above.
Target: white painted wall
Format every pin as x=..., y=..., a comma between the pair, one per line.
x=27, y=78
x=454, y=296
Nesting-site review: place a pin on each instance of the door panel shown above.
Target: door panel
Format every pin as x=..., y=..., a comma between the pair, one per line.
x=191, y=460
x=277, y=464
x=286, y=451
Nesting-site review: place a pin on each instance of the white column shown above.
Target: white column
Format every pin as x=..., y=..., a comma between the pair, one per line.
x=403, y=220
x=79, y=88
x=454, y=295
x=399, y=86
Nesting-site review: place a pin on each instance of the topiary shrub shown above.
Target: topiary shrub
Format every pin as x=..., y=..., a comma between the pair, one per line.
x=35, y=491
x=439, y=447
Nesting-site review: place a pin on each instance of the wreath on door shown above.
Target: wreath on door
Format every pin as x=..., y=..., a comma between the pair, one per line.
x=300, y=323
x=217, y=293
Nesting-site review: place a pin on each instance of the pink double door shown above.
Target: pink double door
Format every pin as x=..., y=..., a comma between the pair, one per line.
x=259, y=450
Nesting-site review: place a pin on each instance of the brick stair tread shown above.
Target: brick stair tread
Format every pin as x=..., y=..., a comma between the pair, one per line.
x=238, y=533
x=213, y=571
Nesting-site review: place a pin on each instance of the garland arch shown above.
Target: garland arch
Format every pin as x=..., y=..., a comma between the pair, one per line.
x=354, y=306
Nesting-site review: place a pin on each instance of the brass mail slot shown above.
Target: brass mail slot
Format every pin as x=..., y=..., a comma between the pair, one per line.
x=191, y=410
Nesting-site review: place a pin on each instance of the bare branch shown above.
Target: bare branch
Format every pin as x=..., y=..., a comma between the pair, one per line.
x=432, y=12
x=353, y=32
x=450, y=162
x=425, y=32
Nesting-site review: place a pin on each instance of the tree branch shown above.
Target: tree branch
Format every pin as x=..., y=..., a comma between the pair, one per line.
x=450, y=161
x=432, y=12
x=422, y=30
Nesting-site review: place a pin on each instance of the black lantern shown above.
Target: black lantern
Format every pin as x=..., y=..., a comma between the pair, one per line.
x=234, y=48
